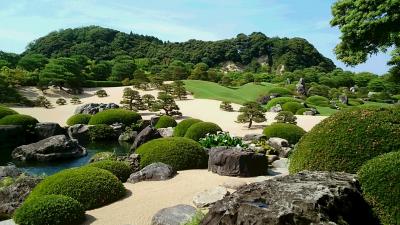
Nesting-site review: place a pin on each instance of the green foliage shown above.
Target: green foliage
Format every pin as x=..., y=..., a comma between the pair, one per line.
x=183, y=126
x=290, y=132
x=4, y=111
x=103, y=156
x=201, y=129
x=61, y=101
x=11, y=95
x=279, y=90
x=101, y=132
x=251, y=111
x=347, y=139
x=90, y=186
x=302, y=111
x=196, y=220
x=42, y=101
x=102, y=83
x=165, y=121
x=226, y=106
x=33, y=62
x=292, y=106
x=119, y=169
x=318, y=101
x=131, y=99
x=179, y=90
x=79, y=119
x=286, y=117
x=19, y=119
x=75, y=100
x=220, y=139
x=101, y=93
x=379, y=179
x=281, y=101
x=180, y=153
x=167, y=103
x=112, y=116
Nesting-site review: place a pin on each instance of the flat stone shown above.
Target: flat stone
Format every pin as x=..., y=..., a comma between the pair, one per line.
x=175, y=215
x=46, y=130
x=209, y=197
x=281, y=163
x=166, y=132
x=154, y=171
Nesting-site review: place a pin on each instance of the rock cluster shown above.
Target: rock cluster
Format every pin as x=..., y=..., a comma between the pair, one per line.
x=147, y=134
x=175, y=215
x=301, y=87
x=93, y=108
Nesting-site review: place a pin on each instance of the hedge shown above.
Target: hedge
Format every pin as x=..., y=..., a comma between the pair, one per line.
x=5, y=111
x=183, y=126
x=290, y=132
x=112, y=116
x=292, y=107
x=119, y=169
x=201, y=129
x=165, y=121
x=79, y=119
x=101, y=83
x=19, y=119
x=281, y=100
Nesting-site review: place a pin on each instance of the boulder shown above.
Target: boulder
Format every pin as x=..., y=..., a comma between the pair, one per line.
x=154, y=120
x=301, y=87
x=253, y=137
x=272, y=158
x=284, y=152
x=79, y=132
x=234, y=185
x=128, y=136
x=133, y=160
x=53, y=148
x=209, y=197
x=278, y=143
x=230, y=161
x=304, y=198
x=154, y=171
x=118, y=128
x=280, y=163
x=9, y=171
x=45, y=130
x=175, y=215
x=276, y=108
x=166, y=132
x=147, y=134
x=16, y=133
x=93, y=108
x=344, y=99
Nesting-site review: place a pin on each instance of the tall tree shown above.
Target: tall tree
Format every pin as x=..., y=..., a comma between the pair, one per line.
x=179, y=90
x=32, y=62
x=251, y=111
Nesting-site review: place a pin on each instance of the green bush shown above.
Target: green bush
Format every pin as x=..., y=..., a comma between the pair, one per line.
x=50, y=210
x=166, y=121
x=318, y=101
x=178, y=152
x=92, y=187
x=103, y=156
x=119, y=169
x=292, y=106
x=281, y=101
x=95, y=83
x=4, y=111
x=101, y=132
x=347, y=139
x=286, y=117
x=221, y=139
x=19, y=119
x=279, y=90
x=183, y=126
x=79, y=119
x=200, y=130
x=302, y=111
x=292, y=133
x=112, y=116
x=379, y=179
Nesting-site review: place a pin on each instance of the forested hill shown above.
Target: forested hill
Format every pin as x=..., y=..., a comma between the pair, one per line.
x=105, y=44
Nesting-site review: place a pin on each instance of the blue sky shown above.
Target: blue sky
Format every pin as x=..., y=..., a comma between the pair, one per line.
x=22, y=21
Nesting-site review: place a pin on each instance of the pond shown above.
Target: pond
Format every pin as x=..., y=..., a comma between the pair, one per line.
x=48, y=168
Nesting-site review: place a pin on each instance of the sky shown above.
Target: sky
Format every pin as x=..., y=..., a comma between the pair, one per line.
x=22, y=21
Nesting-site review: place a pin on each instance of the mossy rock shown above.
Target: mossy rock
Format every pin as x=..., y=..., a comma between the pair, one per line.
x=183, y=126
x=79, y=119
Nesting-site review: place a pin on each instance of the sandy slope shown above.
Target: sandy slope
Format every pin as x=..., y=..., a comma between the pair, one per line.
x=204, y=109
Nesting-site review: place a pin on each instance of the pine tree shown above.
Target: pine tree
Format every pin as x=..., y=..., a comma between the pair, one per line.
x=251, y=111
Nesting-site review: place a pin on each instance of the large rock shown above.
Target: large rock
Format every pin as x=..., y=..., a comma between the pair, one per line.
x=176, y=215
x=154, y=120
x=301, y=199
x=128, y=136
x=166, y=132
x=79, y=132
x=253, y=137
x=301, y=87
x=154, y=171
x=45, y=130
x=277, y=108
x=9, y=171
x=278, y=143
x=50, y=149
x=15, y=133
x=118, y=128
x=133, y=160
x=209, y=197
x=344, y=99
x=147, y=134
x=280, y=163
x=228, y=161
x=93, y=108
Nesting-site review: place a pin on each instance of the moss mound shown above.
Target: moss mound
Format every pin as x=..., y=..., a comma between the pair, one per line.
x=92, y=187
x=292, y=133
x=180, y=153
x=4, y=111
x=165, y=121
x=119, y=169
x=183, y=126
x=18, y=119
x=347, y=139
x=200, y=130
x=281, y=101
x=292, y=107
x=279, y=90
x=379, y=178
x=317, y=100
x=50, y=210
x=112, y=116
x=79, y=119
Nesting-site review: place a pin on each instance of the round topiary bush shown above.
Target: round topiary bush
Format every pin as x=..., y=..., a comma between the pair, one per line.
x=317, y=100
x=292, y=106
x=92, y=187
x=165, y=121
x=183, y=126
x=112, y=116
x=292, y=133
x=50, y=209
x=79, y=119
x=178, y=152
x=379, y=178
x=302, y=111
x=18, y=119
x=200, y=130
x=4, y=111
x=119, y=169
x=347, y=139
x=102, y=132
x=281, y=100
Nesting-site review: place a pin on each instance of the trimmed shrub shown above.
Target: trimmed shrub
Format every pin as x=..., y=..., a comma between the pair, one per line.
x=166, y=121
x=75, y=100
x=4, y=111
x=61, y=101
x=19, y=119
x=183, y=126
x=119, y=169
x=103, y=156
x=180, y=153
x=102, y=83
x=279, y=90
x=226, y=106
x=286, y=117
x=50, y=210
x=347, y=139
x=101, y=132
x=79, y=119
x=92, y=187
x=379, y=178
x=101, y=93
x=292, y=106
x=318, y=101
x=302, y=111
x=112, y=116
x=292, y=133
x=281, y=100
x=201, y=129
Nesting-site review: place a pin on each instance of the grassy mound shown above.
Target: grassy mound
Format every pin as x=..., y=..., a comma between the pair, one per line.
x=19, y=119
x=318, y=101
x=347, y=139
x=379, y=178
x=165, y=121
x=112, y=116
x=200, y=130
x=180, y=153
x=5, y=111
x=79, y=119
x=119, y=169
x=183, y=126
x=281, y=101
x=92, y=187
x=292, y=107
x=292, y=133
x=50, y=209
x=279, y=90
